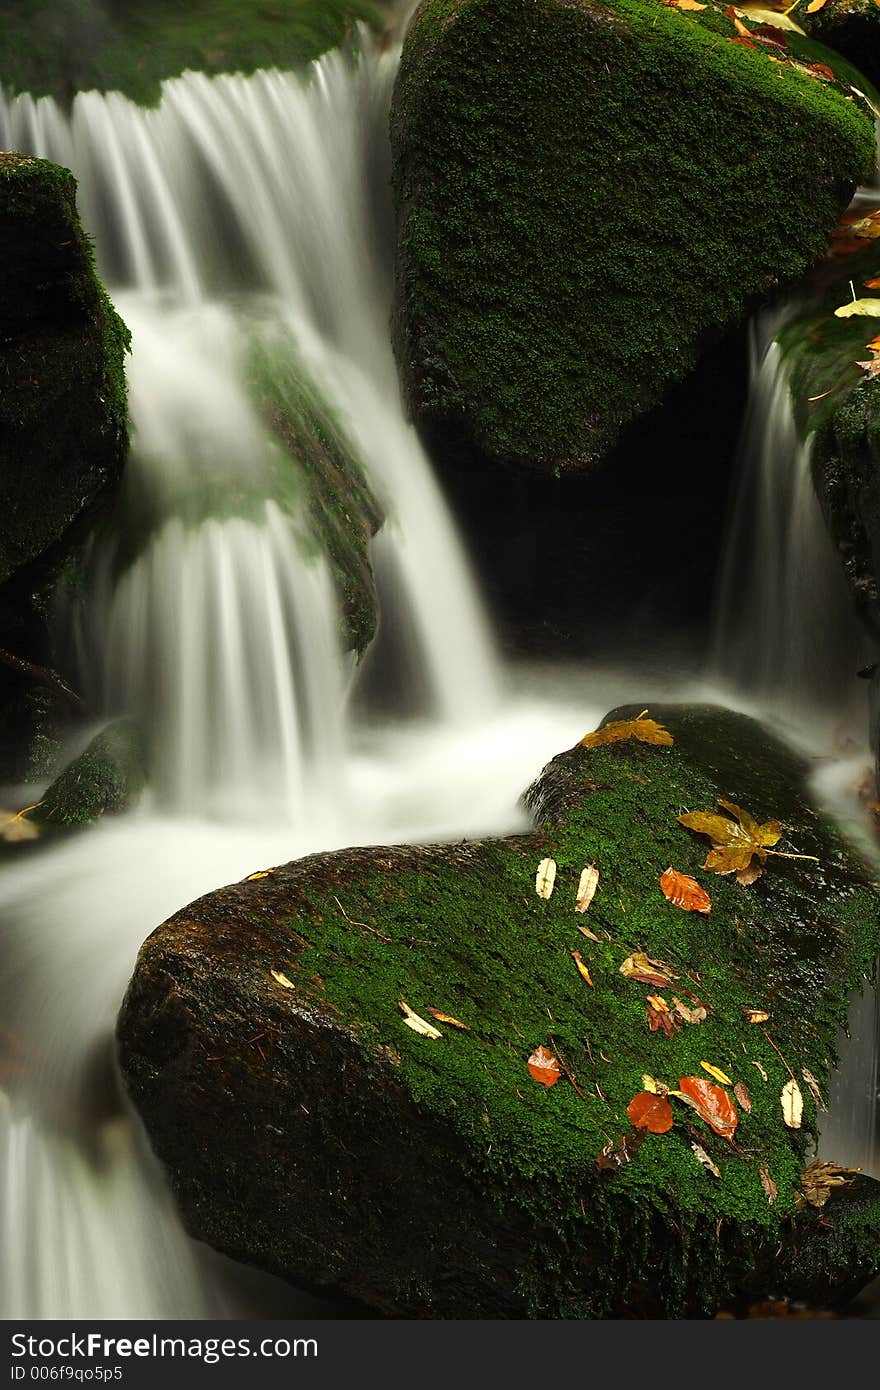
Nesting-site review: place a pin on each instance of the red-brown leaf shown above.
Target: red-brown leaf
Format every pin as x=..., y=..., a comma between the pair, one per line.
x=650, y=1112
x=711, y=1103
x=684, y=891
x=544, y=1067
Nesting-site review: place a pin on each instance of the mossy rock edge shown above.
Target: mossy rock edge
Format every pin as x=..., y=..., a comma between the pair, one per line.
x=587, y=196
x=306, y=1129
x=107, y=778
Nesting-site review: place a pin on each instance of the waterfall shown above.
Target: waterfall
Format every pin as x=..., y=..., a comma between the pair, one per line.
x=786, y=635
x=238, y=197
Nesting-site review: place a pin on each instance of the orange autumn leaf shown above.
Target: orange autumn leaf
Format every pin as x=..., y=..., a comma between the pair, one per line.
x=582, y=969
x=873, y=285
x=731, y=14
x=544, y=1067
x=645, y=730
x=711, y=1103
x=447, y=1018
x=746, y=43
x=822, y=70
x=651, y=1112
x=684, y=891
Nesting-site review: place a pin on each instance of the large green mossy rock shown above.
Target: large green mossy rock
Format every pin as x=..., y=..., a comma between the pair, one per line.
x=589, y=193
x=63, y=432
x=308, y=1130
x=107, y=778
x=59, y=47
x=851, y=27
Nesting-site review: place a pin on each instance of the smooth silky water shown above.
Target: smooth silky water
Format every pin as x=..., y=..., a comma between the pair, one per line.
x=242, y=202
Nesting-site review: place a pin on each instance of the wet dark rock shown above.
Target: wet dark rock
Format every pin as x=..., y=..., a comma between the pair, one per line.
x=107, y=777
x=307, y=1130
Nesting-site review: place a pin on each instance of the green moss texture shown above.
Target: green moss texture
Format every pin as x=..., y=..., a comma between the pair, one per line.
x=589, y=193
x=59, y=47
x=108, y=776
x=415, y=1128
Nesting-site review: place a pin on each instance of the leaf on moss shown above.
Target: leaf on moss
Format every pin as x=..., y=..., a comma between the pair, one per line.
x=712, y=1104
x=659, y=1017
x=591, y=935
x=544, y=1067
x=768, y=1184
x=281, y=979
x=772, y=35
x=657, y=1088
x=859, y=308
x=737, y=839
x=650, y=1111
x=702, y=1157
x=688, y=1015
x=764, y=1075
x=545, y=878
x=815, y=5
x=587, y=885
x=643, y=729
x=615, y=1156
x=447, y=1018
x=684, y=891
x=417, y=1024
x=683, y=4
x=646, y=971
x=746, y=43
x=814, y=1088
x=756, y=1015
x=792, y=1103
x=741, y=1091
x=716, y=1073
x=819, y=1180
x=582, y=969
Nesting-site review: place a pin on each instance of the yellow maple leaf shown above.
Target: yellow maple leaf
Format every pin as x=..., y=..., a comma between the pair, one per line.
x=643, y=729
x=737, y=839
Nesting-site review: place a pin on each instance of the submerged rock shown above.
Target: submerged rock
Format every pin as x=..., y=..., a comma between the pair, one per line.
x=308, y=1130
x=587, y=195
x=107, y=777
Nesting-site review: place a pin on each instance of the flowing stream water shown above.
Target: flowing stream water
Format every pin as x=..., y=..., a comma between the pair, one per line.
x=237, y=202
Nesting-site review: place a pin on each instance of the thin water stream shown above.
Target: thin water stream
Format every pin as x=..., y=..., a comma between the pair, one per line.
x=239, y=200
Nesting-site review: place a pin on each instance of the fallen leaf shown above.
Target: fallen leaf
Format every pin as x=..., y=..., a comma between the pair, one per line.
x=792, y=1104
x=703, y=1157
x=697, y=1015
x=859, y=308
x=660, y=1019
x=737, y=838
x=614, y=1156
x=685, y=892
x=417, y=1024
x=872, y=285
x=544, y=1067
x=281, y=979
x=822, y=70
x=263, y=873
x=711, y=1103
x=651, y=1111
x=741, y=28
x=582, y=969
x=16, y=830
x=646, y=971
x=761, y=1070
x=688, y=5
x=814, y=1088
x=545, y=878
x=815, y=5
x=820, y=1179
x=656, y=1088
x=756, y=1015
x=590, y=934
x=741, y=1091
x=658, y=1002
x=746, y=43
x=587, y=885
x=770, y=34
x=768, y=1185
x=716, y=1073
x=645, y=730
x=447, y=1018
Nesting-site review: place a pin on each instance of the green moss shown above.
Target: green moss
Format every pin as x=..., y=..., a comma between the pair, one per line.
x=59, y=47
x=469, y=936
x=586, y=193
x=107, y=778
x=61, y=360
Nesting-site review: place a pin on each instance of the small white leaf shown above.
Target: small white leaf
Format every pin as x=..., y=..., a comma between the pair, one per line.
x=281, y=979
x=589, y=881
x=792, y=1104
x=761, y=1070
x=814, y=1088
x=545, y=878
x=417, y=1024
x=702, y=1157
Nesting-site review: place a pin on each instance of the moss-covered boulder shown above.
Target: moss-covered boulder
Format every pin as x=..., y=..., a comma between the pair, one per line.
x=63, y=403
x=107, y=777
x=587, y=193
x=851, y=27
x=59, y=47
x=306, y=1128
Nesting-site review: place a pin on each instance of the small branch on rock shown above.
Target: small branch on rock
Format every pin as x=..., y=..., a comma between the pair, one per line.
x=366, y=926
x=41, y=675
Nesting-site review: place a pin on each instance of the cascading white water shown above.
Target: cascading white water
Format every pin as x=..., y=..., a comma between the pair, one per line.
x=785, y=631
